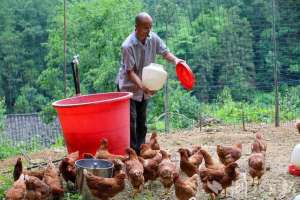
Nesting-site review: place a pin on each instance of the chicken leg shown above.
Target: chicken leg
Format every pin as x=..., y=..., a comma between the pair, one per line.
x=167, y=191
x=212, y=196
x=259, y=181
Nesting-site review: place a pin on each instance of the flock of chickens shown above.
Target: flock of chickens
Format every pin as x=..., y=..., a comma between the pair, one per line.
x=152, y=163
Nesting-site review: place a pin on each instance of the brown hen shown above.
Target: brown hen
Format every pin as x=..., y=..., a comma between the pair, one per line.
x=153, y=142
x=216, y=180
x=151, y=167
x=67, y=167
x=196, y=158
x=18, y=190
x=256, y=164
x=88, y=156
x=52, y=179
x=185, y=189
x=259, y=145
x=209, y=162
x=166, y=171
x=36, y=189
x=103, y=153
x=18, y=170
x=105, y=188
x=118, y=167
x=146, y=152
x=134, y=171
x=185, y=165
x=229, y=155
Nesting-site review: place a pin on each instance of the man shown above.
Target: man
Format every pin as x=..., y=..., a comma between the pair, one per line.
x=139, y=50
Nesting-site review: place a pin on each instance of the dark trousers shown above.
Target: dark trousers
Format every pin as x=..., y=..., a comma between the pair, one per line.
x=138, y=119
x=138, y=127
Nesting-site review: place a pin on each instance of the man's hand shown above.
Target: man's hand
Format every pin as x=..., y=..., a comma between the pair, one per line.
x=148, y=92
x=138, y=82
x=172, y=59
x=178, y=60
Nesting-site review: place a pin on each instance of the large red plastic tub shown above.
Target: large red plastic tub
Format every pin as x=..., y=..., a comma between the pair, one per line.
x=86, y=119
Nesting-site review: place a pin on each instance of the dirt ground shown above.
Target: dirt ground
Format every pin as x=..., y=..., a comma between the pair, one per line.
x=277, y=183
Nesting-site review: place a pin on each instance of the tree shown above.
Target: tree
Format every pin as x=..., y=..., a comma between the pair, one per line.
x=23, y=32
x=96, y=30
x=220, y=46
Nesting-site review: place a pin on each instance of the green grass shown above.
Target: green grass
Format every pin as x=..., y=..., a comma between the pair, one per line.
x=5, y=183
x=59, y=142
x=147, y=195
x=8, y=149
x=256, y=107
x=72, y=196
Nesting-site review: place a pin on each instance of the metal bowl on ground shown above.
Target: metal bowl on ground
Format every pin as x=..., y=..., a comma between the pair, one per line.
x=98, y=167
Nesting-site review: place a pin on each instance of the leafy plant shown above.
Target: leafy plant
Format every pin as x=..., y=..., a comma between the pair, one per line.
x=5, y=184
x=59, y=142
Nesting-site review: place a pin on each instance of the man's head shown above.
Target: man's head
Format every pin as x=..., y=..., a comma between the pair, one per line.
x=143, y=25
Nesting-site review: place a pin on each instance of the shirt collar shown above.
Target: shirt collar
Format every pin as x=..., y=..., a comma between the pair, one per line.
x=136, y=40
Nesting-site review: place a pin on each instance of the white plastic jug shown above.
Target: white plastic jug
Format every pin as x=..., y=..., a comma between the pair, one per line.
x=295, y=159
x=154, y=76
x=297, y=197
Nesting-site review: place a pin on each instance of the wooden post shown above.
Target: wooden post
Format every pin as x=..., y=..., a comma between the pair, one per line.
x=243, y=117
x=200, y=118
x=65, y=50
x=275, y=64
x=166, y=106
x=166, y=94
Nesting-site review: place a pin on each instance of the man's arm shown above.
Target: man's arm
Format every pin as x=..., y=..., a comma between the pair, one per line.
x=162, y=49
x=138, y=82
x=135, y=79
x=129, y=62
x=171, y=58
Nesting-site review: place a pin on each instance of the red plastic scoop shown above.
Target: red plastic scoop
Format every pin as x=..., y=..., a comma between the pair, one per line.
x=185, y=75
x=294, y=170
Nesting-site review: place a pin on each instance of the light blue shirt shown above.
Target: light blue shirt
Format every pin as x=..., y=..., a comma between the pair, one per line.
x=135, y=56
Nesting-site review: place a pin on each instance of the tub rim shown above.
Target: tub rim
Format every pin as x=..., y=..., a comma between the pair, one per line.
x=102, y=168
x=125, y=95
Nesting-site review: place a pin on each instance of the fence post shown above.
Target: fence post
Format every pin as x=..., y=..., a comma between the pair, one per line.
x=200, y=120
x=243, y=117
x=166, y=106
x=65, y=49
x=274, y=60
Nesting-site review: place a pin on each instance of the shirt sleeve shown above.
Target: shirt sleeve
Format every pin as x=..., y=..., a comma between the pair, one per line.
x=128, y=60
x=161, y=47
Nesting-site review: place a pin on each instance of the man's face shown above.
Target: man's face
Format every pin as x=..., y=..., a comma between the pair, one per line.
x=143, y=28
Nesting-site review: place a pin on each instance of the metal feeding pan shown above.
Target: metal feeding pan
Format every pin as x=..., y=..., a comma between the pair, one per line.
x=98, y=167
